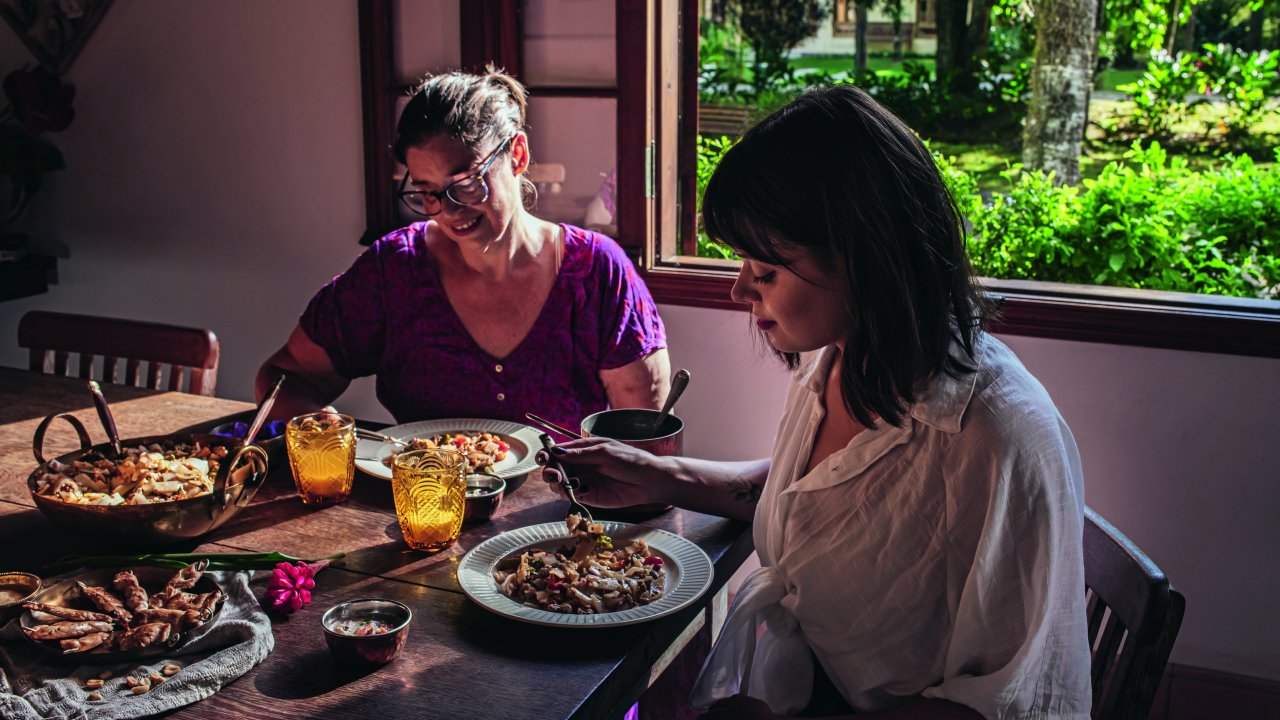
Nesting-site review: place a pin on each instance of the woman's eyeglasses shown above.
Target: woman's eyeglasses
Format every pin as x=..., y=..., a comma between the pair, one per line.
x=471, y=190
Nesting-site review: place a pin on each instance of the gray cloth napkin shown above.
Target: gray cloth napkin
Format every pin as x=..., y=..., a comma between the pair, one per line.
x=34, y=687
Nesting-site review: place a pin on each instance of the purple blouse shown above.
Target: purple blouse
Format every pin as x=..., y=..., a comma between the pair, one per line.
x=388, y=316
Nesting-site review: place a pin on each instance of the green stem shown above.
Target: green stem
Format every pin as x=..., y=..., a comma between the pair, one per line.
x=217, y=561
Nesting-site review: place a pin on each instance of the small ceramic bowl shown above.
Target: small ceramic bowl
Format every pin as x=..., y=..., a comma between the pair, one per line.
x=368, y=631
x=15, y=589
x=484, y=495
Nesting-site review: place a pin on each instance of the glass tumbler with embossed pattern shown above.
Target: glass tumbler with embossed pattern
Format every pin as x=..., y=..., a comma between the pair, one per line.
x=430, y=491
x=322, y=454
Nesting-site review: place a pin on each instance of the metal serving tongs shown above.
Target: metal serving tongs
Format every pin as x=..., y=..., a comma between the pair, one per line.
x=574, y=505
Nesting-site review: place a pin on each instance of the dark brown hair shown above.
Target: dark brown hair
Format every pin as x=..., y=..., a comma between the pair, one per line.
x=837, y=175
x=478, y=110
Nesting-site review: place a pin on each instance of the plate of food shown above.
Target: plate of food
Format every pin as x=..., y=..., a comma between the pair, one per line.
x=580, y=574
x=116, y=614
x=492, y=447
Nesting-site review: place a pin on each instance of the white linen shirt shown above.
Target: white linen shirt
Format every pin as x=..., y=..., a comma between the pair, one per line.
x=941, y=558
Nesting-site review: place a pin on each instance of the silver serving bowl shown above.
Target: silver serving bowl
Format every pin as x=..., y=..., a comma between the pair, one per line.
x=239, y=476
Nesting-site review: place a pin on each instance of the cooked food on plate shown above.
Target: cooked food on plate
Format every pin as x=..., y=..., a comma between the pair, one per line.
x=587, y=577
x=123, y=616
x=482, y=450
x=141, y=476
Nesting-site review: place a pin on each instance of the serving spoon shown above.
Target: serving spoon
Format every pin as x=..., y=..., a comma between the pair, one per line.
x=678, y=384
x=104, y=414
x=263, y=410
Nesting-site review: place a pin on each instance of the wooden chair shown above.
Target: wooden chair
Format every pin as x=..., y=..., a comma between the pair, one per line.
x=1134, y=616
x=160, y=347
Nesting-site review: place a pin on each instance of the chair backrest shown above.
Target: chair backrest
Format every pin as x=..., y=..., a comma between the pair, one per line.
x=161, y=348
x=1134, y=616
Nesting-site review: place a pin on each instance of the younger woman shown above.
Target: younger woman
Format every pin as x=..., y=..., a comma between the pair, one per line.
x=919, y=523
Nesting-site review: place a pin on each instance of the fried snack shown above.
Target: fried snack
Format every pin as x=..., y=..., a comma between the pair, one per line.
x=126, y=583
x=107, y=602
x=145, y=636
x=84, y=643
x=185, y=578
x=173, y=616
x=61, y=630
x=155, y=619
x=67, y=613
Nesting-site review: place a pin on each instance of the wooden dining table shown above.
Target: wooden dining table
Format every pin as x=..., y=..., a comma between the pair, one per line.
x=460, y=661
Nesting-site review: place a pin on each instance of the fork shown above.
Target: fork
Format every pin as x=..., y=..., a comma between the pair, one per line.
x=371, y=435
x=547, y=444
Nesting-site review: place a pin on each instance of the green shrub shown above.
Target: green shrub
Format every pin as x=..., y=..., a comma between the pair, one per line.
x=1147, y=222
x=710, y=150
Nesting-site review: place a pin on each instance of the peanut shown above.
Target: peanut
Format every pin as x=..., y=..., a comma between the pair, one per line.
x=131, y=681
x=93, y=684
x=139, y=689
x=170, y=669
x=156, y=678
x=95, y=695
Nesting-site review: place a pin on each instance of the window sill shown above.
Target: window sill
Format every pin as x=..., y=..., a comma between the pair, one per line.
x=1175, y=321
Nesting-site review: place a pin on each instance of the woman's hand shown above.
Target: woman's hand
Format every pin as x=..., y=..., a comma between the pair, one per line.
x=740, y=707
x=606, y=473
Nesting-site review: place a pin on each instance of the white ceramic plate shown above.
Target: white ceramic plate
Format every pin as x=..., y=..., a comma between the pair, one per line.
x=371, y=455
x=688, y=573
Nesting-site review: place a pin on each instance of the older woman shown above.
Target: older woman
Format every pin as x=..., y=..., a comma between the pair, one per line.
x=482, y=309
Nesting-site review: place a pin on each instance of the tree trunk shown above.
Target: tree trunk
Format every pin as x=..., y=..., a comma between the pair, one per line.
x=860, y=37
x=897, y=37
x=1058, y=109
x=952, y=37
x=978, y=32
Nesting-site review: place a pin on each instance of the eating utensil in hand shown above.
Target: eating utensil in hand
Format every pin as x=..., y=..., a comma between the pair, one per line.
x=263, y=410
x=574, y=505
x=678, y=384
x=104, y=414
x=552, y=426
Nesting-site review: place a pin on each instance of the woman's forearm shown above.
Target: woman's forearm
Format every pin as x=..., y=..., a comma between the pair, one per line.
x=730, y=489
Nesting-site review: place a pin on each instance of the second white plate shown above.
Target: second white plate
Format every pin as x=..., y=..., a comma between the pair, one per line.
x=371, y=455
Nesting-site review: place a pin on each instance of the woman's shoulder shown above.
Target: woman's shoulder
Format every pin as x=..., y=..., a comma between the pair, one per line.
x=588, y=251
x=410, y=239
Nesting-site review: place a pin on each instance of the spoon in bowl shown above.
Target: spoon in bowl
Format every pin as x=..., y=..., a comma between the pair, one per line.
x=104, y=414
x=263, y=410
x=678, y=384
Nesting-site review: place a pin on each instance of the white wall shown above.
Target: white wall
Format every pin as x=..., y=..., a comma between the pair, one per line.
x=215, y=178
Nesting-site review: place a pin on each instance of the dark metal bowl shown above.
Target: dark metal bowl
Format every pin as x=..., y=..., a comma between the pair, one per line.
x=367, y=649
x=484, y=495
x=634, y=426
x=20, y=587
x=66, y=593
x=239, y=476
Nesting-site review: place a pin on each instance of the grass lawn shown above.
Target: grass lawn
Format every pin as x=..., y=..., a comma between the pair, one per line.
x=1109, y=79
x=987, y=161
x=844, y=63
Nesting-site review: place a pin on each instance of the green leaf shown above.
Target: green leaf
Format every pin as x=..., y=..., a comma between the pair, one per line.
x=1116, y=261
